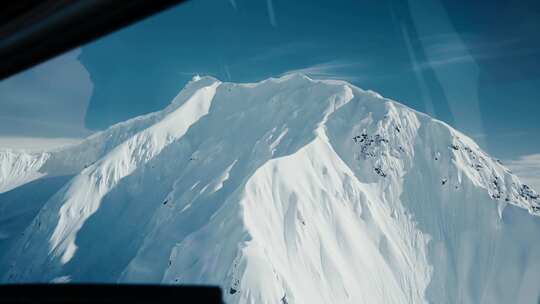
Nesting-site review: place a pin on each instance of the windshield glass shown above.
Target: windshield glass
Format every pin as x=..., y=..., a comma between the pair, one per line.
x=262, y=146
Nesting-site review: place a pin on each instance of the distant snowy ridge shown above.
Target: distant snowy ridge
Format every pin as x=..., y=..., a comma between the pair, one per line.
x=290, y=190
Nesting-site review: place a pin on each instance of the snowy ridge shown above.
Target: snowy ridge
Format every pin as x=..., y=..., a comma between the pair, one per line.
x=25, y=166
x=290, y=190
x=86, y=191
x=18, y=168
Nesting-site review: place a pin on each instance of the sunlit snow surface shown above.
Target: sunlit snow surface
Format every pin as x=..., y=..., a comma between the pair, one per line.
x=289, y=190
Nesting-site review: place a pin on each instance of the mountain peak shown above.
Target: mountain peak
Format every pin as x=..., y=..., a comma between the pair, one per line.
x=286, y=188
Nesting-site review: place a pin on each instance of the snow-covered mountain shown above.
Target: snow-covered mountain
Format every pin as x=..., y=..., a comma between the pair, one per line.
x=290, y=190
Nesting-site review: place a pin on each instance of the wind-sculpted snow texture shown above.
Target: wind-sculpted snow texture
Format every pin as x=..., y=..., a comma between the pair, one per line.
x=289, y=190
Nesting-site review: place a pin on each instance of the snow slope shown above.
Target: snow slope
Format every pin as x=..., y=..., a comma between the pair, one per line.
x=290, y=190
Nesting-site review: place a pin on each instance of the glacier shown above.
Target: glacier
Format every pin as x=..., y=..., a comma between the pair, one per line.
x=289, y=190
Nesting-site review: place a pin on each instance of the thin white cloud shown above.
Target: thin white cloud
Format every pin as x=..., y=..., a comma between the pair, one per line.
x=195, y=72
x=450, y=49
x=233, y=4
x=341, y=70
x=527, y=168
x=499, y=134
x=35, y=143
x=454, y=41
x=439, y=62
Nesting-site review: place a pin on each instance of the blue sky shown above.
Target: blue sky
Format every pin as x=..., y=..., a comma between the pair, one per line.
x=472, y=65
